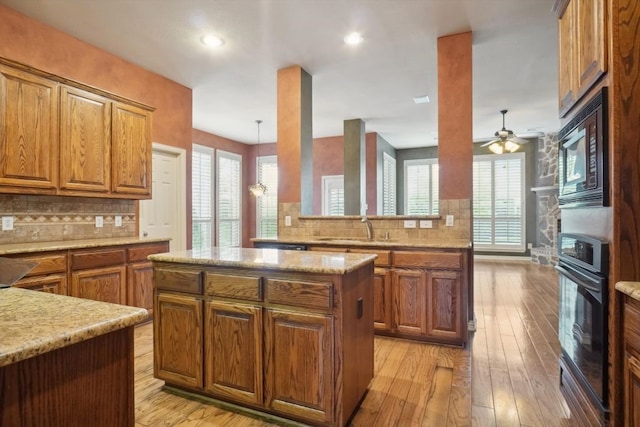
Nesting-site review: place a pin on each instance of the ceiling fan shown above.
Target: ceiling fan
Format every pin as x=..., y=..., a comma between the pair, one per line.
x=506, y=140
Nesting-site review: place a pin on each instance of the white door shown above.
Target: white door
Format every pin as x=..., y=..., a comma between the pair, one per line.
x=165, y=214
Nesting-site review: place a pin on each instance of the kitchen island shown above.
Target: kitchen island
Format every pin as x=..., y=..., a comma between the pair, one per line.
x=65, y=361
x=285, y=333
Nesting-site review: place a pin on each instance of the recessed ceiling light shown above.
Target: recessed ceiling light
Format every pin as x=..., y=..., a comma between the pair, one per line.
x=212, y=41
x=424, y=99
x=353, y=39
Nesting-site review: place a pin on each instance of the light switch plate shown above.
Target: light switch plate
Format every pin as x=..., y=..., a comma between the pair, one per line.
x=7, y=223
x=99, y=221
x=287, y=221
x=449, y=221
x=118, y=220
x=426, y=223
x=409, y=223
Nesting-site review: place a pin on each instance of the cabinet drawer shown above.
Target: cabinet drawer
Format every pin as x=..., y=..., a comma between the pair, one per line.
x=178, y=279
x=97, y=259
x=47, y=264
x=225, y=285
x=632, y=322
x=384, y=257
x=300, y=294
x=427, y=259
x=140, y=253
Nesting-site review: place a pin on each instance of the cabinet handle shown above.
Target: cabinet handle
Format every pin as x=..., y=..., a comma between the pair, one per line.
x=359, y=308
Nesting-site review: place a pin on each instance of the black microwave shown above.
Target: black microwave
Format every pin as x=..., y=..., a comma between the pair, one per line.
x=582, y=156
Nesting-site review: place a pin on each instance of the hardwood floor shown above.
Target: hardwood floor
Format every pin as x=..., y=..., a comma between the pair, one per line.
x=512, y=359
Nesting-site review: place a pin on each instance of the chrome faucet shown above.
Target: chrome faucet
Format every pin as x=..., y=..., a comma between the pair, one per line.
x=369, y=227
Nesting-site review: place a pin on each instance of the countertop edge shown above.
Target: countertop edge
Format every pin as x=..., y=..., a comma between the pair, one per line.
x=368, y=243
x=61, y=245
x=631, y=289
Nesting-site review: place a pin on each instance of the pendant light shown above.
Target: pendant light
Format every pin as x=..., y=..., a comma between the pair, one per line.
x=258, y=189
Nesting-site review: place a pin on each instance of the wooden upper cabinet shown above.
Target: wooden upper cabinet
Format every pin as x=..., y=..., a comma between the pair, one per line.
x=85, y=141
x=582, y=49
x=28, y=132
x=131, y=148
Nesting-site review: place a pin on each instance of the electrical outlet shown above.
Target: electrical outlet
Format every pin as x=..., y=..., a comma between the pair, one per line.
x=7, y=223
x=426, y=223
x=449, y=221
x=529, y=246
x=287, y=221
x=99, y=221
x=118, y=220
x=409, y=223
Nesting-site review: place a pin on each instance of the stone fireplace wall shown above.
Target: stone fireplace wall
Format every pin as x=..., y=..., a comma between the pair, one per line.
x=548, y=213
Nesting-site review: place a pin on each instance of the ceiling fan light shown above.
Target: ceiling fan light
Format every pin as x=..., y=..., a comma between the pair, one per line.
x=511, y=146
x=496, y=148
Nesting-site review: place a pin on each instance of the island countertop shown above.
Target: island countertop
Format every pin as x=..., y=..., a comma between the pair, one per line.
x=33, y=323
x=60, y=245
x=271, y=259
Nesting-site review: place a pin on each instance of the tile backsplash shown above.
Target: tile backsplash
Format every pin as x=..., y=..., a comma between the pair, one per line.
x=54, y=218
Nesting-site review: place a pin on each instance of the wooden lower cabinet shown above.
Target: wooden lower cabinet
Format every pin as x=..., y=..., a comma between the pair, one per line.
x=299, y=364
x=177, y=344
x=140, y=285
x=55, y=284
x=233, y=351
x=382, y=299
x=101, y=284
x=632, y=391
x=444, y=304
x=409, y=298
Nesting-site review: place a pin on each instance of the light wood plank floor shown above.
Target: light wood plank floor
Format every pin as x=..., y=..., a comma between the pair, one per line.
x=512, y=358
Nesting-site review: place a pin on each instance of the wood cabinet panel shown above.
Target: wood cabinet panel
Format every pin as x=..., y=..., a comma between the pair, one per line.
x=566, y=66
x=177, y=344
x=632, y=391
x=427, y=259
x=49, y=263
x=100, y=284
x=140, y=253
x=97, y=258
x=410, y=301
x=131, y=148
x=382, y=299
x=299, y=365
x=140, y=285
x=383, y=259
x=233, y=351
x=85, y=141
x=232, y=286
x=444, y=304
x=28, y=132
x=54, y=283
x=178, y=279
x=318, y=295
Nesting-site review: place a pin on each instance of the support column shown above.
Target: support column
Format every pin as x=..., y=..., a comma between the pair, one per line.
x=294, y=147
x=455, y=116
x=355, y=187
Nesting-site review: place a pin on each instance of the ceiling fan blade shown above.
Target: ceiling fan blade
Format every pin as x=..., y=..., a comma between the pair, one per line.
x=486, y=144
x=518, y=140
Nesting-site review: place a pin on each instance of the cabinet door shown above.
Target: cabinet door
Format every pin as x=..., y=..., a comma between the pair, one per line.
x=591, y=48
x=85, y=141
x=410, y=301
x=177, y=344
x=54, y=283
x=101, y=284
x=233, y=351
x=140, y=285
x=567, y=51
x=632, y=393
x=299, y=365
x=444, y=304
x=382, y=299
x=28, y=132
x=131, y=148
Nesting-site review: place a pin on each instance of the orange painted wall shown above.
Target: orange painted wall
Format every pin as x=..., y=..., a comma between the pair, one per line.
x=455, y=116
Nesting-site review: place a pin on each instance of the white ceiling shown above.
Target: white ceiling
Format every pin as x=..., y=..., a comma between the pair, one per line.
x=514, y=58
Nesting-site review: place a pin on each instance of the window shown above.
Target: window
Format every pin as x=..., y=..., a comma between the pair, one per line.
x=267, y=205
x=229, y=200
x=202, y=197
x=333, y=195
x=388, y=185
x=421, y=187
x=498, y=202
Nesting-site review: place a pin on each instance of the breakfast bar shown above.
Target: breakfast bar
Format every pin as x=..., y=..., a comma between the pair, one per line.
x=285, y=333
x=65, y=361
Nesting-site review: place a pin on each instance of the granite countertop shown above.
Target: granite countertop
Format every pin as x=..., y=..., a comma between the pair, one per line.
x=338, y=241
x=61, y=245
x=631, y=289
x=272, y=259
x=33, y=323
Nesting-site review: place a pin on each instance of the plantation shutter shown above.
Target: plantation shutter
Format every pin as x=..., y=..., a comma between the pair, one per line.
x=421, y=187
x=388, y=185
x=202, y=197
x=267, y=205
x=229, y=199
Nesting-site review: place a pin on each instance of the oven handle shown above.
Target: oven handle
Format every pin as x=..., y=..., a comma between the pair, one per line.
x=577, y=278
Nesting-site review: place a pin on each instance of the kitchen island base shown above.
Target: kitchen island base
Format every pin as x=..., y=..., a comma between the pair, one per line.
x=278, y=339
